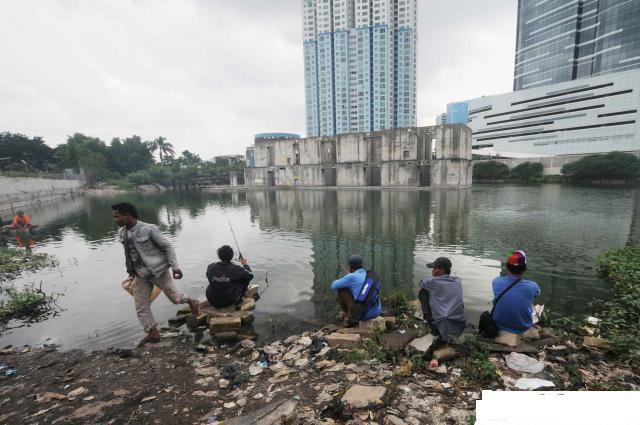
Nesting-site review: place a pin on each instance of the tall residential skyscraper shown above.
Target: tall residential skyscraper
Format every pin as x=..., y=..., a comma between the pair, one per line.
x=360, y=65
x=563, y=40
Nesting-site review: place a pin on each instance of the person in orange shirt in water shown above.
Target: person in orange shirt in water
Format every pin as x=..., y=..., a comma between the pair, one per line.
x=21, y=221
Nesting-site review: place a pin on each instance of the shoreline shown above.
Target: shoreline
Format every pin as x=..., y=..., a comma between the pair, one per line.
x=304, y=377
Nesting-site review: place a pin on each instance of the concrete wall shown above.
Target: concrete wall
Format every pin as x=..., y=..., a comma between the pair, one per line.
x=22, y=191
x=551, y=165
x=402, y=157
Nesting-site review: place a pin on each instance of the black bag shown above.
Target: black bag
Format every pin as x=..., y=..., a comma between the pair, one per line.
x=487, y=326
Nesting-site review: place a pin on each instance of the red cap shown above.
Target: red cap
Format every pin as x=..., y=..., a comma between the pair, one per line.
x=517, y=258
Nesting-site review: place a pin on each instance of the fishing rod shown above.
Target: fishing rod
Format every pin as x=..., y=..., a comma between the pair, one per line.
x=230, y=226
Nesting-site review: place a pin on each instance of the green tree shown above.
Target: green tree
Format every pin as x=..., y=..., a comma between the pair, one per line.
x=86, y=153
x=527, y=171
x=610, y=166
x=490, y=170
x=20, y=152
x=139, y=177
x=129, y=155
x=164, y=148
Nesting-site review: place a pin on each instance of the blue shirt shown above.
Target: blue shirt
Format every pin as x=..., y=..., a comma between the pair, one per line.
x=513, y=312
x=354, y=281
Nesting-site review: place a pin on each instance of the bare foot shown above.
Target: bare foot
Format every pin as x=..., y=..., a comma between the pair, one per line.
x=152, y=337
x=194, y=305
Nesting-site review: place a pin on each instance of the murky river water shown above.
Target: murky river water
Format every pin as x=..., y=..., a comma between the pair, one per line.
x=302, y=238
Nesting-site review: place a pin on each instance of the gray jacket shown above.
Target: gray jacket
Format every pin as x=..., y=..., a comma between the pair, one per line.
x=154, y=249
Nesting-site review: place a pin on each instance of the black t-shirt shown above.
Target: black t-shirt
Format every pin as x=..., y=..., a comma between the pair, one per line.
x=227, y=283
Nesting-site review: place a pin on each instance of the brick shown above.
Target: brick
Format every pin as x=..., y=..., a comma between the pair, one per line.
x=197, y=321
x=252, y=292
x=363, y=332
x=390, y=322
x=226, y=337
x=245, y=316
x=224, y=324
x=375, y=324
x=343, y=340
x=247, y=304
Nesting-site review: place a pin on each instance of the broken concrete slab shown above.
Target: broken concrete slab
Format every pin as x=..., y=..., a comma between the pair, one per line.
x=363, y=332
x=361, y=396
x=377, y=324
x=398, y=339
x=390, y=322
x=226, y=337
x=523, y=363
x=533, y=384
x=275, y=413
x=421, y=345
x=343, y=340
x=194, y=322
x=224, y=324
x=594, y=341
x=252, y=292
x=247, y=304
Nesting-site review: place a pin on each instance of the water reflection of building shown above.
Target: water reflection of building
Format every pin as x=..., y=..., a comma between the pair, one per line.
x=383, y=226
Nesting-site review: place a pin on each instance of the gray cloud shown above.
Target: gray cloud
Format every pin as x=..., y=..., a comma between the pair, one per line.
x=209, y=74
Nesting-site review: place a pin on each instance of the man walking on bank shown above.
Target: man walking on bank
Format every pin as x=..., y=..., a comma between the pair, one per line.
x=148, y=256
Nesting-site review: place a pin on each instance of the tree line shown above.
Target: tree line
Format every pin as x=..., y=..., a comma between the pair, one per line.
x=619, y=166
x=125, y=160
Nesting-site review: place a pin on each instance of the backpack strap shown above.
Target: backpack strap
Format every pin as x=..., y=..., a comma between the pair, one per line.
x=502, y=293
x=371, y=296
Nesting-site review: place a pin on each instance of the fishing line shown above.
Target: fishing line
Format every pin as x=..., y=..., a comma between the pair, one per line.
x=230, y=226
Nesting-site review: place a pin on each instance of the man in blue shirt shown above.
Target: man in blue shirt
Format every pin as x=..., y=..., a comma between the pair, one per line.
x=348, y=289
x=513, y=312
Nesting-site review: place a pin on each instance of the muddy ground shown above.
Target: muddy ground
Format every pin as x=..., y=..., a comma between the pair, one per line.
x=178, y=381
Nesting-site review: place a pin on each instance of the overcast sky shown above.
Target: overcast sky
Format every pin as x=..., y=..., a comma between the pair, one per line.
x=209, y=74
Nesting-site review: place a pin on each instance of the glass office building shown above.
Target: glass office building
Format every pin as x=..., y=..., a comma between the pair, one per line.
x=360, y=65
x=458, y=113
x=564, y=40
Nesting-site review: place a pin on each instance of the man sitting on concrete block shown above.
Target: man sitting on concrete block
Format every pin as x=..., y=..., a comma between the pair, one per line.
x=512, y=314
x=358, y=292
x=227, y=281
x=441, y=300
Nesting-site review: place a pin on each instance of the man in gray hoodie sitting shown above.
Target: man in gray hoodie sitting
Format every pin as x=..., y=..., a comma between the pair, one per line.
x=441, y=300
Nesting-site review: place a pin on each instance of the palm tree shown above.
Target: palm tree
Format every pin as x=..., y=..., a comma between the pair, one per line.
x=164, y=148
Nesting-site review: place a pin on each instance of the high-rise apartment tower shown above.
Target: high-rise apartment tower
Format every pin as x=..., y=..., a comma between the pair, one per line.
x=360, y=65
x=563, y=40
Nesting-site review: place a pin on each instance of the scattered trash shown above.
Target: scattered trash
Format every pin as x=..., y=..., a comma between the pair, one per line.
x=593, y=320
x=146, y=399
x=123, y=353
x=10, y=371
x=533, y=384
x=523, y=363
x=263, y=364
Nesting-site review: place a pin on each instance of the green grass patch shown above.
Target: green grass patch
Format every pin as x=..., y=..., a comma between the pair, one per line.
x=620, y=317
x=477, y=369
x=15, y=261
x=398, y=305
x=29, y=303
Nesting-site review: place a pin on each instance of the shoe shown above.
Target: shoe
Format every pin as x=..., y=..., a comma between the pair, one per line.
x=151, y=338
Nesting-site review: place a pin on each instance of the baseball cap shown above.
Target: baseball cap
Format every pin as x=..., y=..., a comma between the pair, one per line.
x=440, y=263
x=355, y=260
x=517, y=258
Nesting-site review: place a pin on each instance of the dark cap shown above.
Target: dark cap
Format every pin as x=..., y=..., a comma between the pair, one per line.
x=355, y=261
x=440, y=263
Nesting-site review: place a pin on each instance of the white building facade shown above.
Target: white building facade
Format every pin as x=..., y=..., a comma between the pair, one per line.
x=360, y=65
x=591, y=115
